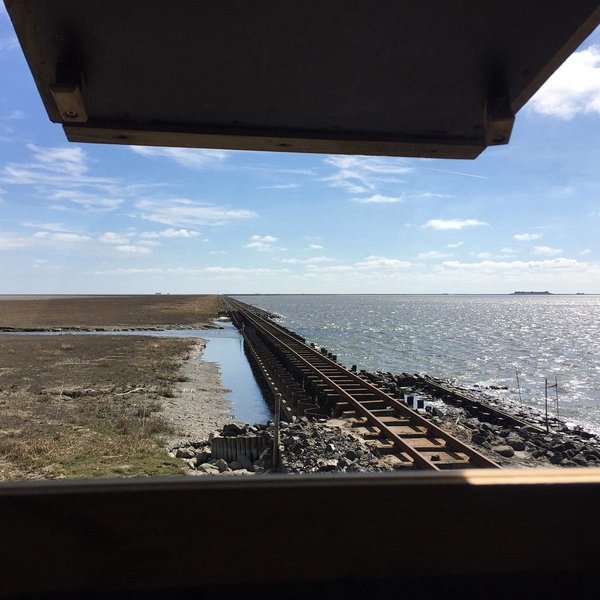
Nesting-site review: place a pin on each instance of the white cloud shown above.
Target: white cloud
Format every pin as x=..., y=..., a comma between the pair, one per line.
x=452, y=224
x=315, y=247
x=262, y=243
x=180, y=212
x=527, y=237
x=318, y=269
x=281, y=186
x=484, y=255
x=221, y=273
x=377, y=199
x=315, y=260
x=109, y=237
x=432, y=254
x=13, y=241
x=509, y=251
x=360, y=174
x=378, y=262
x=133, y=249
x=88, y=201
x=585, y=252
x=215, y=252
x=70, y=237
x=50, y=165
x=372, y=267
x=191, y=158
x=171, y=233
x=455, y=245
x=46, y=226
x=573, y=89
x=516, y=266
x=244, y=271
x=16, y=241
x=546, y=251
x=59, y=174
x=267, y=239
x=61, y=237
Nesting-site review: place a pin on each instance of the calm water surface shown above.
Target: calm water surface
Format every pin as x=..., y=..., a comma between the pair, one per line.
x=472, y=339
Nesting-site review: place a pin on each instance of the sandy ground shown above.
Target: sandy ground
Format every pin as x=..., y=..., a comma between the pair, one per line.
x=199, y=406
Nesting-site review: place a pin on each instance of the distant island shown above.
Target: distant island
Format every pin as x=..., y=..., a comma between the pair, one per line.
x=532, y=293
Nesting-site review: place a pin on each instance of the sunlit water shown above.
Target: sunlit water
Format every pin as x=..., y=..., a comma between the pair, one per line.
x=472, y=339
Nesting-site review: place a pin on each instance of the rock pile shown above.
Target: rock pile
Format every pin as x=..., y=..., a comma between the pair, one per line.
x=199, y=455
x=316, y=448
x=305, y=447
x=566, y=447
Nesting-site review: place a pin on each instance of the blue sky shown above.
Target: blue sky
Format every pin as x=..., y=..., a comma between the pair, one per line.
x=109, y=219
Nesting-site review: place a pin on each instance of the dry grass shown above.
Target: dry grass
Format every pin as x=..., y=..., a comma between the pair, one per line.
x=85, y=406
x=108, y=311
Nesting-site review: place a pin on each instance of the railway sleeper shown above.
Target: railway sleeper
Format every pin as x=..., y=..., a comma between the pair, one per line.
x=396, y=422
x=369, y=433
x=372, y=405
x=383, y=412
x=400, y=461
x=382, y=446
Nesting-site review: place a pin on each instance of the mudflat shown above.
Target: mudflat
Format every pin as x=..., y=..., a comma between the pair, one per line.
x=110, y=312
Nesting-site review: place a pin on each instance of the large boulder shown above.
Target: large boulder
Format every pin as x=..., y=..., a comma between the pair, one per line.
x=208, y=469
x=515, y=442
x=233, y=429
x=505, y=451
x=245, y=462
x=185, y=453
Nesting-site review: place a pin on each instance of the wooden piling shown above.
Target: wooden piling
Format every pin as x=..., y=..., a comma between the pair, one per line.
x=556, y=386
x=546, y=389
x=276, y=419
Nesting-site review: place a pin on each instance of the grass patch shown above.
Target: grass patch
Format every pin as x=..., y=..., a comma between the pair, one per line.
x=97, y=416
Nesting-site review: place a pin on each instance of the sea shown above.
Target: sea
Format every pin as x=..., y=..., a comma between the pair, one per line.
x=476, y=341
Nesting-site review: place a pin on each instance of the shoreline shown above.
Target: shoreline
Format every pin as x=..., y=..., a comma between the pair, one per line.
x=199, y=406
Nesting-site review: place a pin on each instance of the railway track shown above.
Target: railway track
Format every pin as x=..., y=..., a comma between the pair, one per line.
x=313, y=384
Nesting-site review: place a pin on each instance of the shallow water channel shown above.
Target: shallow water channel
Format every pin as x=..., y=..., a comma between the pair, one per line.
x=226, y=348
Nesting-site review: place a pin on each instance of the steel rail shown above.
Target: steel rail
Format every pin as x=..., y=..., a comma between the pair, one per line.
x=453, y=445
